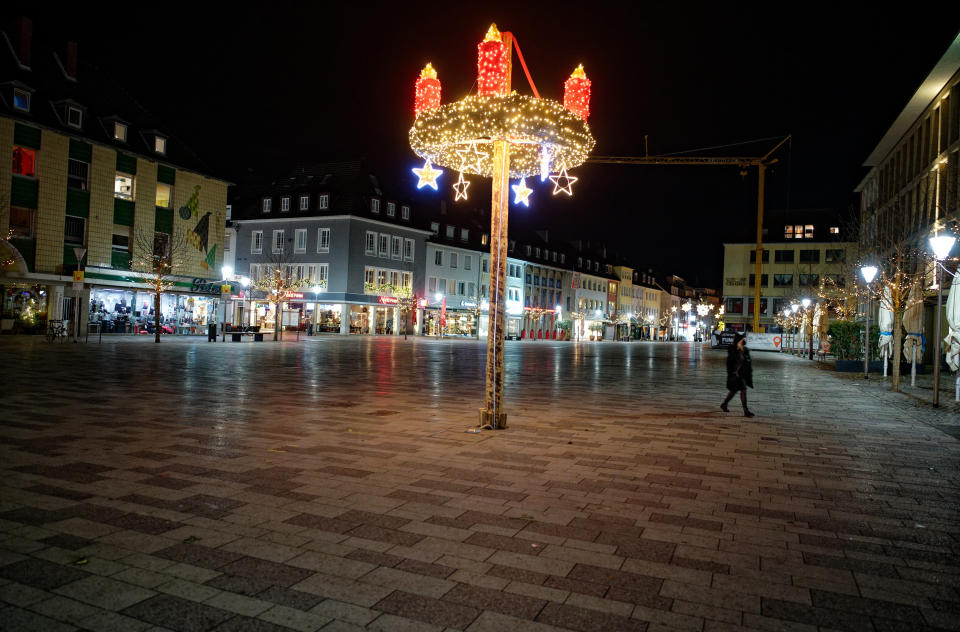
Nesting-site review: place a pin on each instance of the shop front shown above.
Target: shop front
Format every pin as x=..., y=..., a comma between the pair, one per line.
x=460, y=323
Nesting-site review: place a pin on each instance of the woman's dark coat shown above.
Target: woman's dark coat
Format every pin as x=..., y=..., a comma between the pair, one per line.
x=739, y=369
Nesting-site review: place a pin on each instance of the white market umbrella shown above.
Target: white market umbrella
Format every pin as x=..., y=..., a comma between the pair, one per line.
x=913, y=341
x=885, y=323
x=952, y=341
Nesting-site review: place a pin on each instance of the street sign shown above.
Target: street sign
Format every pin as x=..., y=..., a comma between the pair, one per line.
x=78, y=285
x=79, y=254
x=78, y=275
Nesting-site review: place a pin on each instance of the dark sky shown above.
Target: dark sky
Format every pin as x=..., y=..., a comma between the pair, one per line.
x=254, y=92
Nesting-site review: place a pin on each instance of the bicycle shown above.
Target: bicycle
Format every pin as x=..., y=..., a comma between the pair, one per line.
x=56, y=331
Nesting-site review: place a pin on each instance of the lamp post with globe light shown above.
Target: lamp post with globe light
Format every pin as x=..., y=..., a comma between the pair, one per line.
x=868, y=272
x=941, y=245
x=795, y=308
x=808, y=315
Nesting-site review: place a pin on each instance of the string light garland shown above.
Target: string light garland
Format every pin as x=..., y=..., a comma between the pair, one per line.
x=428, y=175
x=426, y=91
x=472, y=158
x=461, y=188
x=576, y=93
x=567, y=185
x=521, y=193
x=493, y=60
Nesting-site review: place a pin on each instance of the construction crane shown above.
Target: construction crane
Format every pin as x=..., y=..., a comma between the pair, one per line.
x=744, y=162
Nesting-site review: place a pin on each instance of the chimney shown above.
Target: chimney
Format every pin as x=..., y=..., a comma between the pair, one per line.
x=24, y=40
x=71, y=60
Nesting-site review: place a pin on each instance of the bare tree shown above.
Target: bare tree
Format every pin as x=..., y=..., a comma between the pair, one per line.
x=160, y=256
x=277, y=280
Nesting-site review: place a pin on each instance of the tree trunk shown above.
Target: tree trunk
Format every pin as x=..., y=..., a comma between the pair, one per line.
x=897, y=348
x=276, y=319
x=156, y=317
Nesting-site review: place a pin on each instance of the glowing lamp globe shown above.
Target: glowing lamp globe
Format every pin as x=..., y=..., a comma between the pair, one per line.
x=941, y=246
x=869, y=273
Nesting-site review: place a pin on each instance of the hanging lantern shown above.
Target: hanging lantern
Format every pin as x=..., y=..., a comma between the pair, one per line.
x=427, y=90
x=493, y=59
x=576, y=93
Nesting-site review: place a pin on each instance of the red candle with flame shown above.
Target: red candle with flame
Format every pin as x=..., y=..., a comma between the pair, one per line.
x=576, y=93
x=493, y=59
x=427, y=90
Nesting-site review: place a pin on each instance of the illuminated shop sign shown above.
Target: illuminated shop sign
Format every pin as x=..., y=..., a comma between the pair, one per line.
x=293, y=295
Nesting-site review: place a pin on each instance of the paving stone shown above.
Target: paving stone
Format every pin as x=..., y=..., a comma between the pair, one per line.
x=41, y=574
x=64, y=609
x=281, y=574
x=428, y=610
x=178, y=614
x=583, y=620
x=105, y=592
x=295, y=619
x=495, y=600
x=18, y=619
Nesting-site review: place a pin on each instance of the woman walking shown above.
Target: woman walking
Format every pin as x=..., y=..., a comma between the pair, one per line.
x=739, y=373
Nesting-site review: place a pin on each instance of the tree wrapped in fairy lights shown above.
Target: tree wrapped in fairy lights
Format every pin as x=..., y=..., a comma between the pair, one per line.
x=503, y=135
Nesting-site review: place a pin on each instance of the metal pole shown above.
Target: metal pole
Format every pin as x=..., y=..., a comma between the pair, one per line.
x=756, y=286
x=866, y=340
x=811, y=332
x=936, y=345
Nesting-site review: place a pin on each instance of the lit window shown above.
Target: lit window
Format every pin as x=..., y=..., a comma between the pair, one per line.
x=160, y=144
x=267, y=205
x=374, y=205
x=120, y=132
x=834, y=230
x=323, y=273
x=391, y=209
x=300, y=240
x=164, y=195
x=808, y=231
x=25, y=162
x=284, y=204
x=21, y=100
x=74, y=117
x=304, y=202
x=405, y=212
x=123, y=186
x=323, y=240
x=485, y=239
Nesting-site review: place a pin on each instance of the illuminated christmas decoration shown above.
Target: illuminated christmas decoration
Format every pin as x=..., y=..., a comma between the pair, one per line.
x=544, y=163
x=472, y=158
x=567, y=182
x=576, y=93
x=493, y=62
x=427, y=93
x=521, y=193
x=461, y=188
x=428, y=175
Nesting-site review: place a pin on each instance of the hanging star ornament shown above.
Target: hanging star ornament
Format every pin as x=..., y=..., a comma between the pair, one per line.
x=567, y=185
x=428, y=175
x=471, y=158
x=521, y=192
x=461, y=188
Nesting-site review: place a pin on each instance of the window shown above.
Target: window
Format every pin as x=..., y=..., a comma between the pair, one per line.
x=438, y=258
x=121, y=239
x=370, y=275
x=77, y=174
x=256, y=242
x=435, y=228
x=160, y=144
x=323, y=201
x=381, y=276
x=765, y=258
x=485, y=267
x=782, y=280
x=391, y=209
x=300, y=240
x=375, y=205
x=405, y=212
x=164, y=195
x=809, y=256
x=285, y=204
x=528, y=250
x=407, y=279
x=783, y=256
x=323, y=274
x=21, y=100
x=528, y=278
x=834, y=256
x=834, y=230
x=836, y=280
x=371, y=243
x=538, y=252
x=453, y=259
x=432, y=285
x=471, y=289
x=255, y=274
x=734, y=305
x=396, y=247
x=277, y=242
x=809, y=280
x=73, y=229
x=536, y=279
x=227, y=239
x=25, y=162
x=304, y=202
x=323, y=240
x=408, y=249
x=453, y=286
x=467, y=262
x=764, y=281
x=763, y=306
x=464, y=234
x=808, y=231
x=267, y=205
x=461, y=288
x=74, y=117
x=384, y=245
x=450, y=230
x=123, y=186
x=394, y=279
x=484, y=239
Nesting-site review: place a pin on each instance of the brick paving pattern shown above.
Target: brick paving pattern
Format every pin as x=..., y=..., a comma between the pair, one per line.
x=330, y=485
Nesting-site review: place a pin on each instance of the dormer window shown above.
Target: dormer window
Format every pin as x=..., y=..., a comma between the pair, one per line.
x=304, y=202
x=464, y=234
x=267, y=205
x=323, y=201
x=405, y=212
x=435, y=228
x=285, y=204
x=375, y=205
x=450, y=230
x=160, y=144
x=391, y=209
x=120, y=132
x=74, y=117
x=21, y=100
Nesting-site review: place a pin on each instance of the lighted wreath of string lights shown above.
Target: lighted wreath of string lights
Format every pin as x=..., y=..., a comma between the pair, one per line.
x=545, y=136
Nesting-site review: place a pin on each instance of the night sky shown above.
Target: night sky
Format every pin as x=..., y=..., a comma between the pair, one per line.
x=254, y=93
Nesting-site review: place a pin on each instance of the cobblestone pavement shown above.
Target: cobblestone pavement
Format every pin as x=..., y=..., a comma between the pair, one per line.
x=330, y=484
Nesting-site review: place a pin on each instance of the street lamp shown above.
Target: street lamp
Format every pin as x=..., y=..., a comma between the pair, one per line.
x=806, y=305
x=868, y=272
x=941, y=245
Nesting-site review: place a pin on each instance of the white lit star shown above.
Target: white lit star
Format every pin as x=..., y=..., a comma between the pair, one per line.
x=428, y=175
x=461, y=188
x=567, y=185
x=471, y=158
x=521, y=192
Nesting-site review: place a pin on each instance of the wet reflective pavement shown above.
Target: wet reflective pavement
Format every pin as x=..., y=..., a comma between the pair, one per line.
x=330, y=484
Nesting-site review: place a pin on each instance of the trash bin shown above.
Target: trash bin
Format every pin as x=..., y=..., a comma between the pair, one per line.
x=212, y=332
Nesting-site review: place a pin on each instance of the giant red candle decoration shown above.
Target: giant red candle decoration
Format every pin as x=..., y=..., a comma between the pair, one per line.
x=427, y=90
x=576, y=93
x=492, y=62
